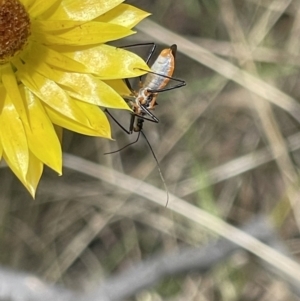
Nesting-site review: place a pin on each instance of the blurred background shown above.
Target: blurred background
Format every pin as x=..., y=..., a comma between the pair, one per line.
x=227, y=143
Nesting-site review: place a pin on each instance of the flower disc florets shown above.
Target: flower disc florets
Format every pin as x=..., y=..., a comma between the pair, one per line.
x=14, y=28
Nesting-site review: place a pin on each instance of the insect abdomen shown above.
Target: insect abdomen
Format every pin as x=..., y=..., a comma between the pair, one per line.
x=163, y=65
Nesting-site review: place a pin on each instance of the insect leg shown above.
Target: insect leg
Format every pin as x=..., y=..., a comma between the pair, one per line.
x=131, y=143
x=158, y=166
x=181, y=83
x=151, y=53
x=133, y=116
x=152, y=49
x=132, y=119
x=153, y=117
x=116, y=121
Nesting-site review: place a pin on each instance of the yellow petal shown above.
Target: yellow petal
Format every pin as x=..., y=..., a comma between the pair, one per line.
x=37, y=7
x=1, y=151
x=84, y=10
x=91, y=90
x=99, y=125
x=55, y=26
x=86, y=34
x=51, y=57
x=119, y=86
x=13, y=140
x=12, y=89
x=27, y=3
x=124, y=15
x=2, y=96
x=34, y=173
x=85, y=87
x=109, y=62
x=41, y=136
x=59, y=132
x=51, y=94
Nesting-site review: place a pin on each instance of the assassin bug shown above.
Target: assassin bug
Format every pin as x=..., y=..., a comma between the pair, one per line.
x=155, y=82
x=143, y=101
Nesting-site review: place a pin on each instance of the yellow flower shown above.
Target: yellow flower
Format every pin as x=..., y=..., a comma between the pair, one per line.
x=55, y=72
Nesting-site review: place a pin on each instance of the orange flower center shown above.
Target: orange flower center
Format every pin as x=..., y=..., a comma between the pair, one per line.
x=14, y=28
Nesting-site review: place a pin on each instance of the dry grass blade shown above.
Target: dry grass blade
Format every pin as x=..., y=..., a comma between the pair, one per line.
x=201, y=217
x=267, y=21
x=263, y=109
x=235, y=167
x=76, y=247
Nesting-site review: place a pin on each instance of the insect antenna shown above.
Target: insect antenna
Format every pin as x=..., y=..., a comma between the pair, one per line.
x=158, y=167
x=131, y=143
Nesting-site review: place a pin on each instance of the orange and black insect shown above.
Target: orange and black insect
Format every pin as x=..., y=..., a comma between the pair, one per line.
x=144, y=101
